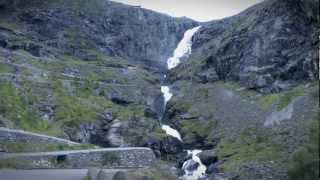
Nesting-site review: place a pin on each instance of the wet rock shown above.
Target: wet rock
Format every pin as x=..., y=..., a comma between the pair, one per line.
x=190, y=165
x=34, y=49
x=208, y=157
x=154, y=144
x=212, y=169
x=120, y=100
x=171, y=145
x=181, y=158
x=3, y=43
x=148, y=112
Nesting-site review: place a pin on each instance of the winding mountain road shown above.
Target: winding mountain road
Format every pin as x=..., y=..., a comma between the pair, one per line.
x=60, y=174
x=54, y=174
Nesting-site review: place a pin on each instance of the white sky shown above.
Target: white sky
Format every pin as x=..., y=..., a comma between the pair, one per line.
x=200, y=10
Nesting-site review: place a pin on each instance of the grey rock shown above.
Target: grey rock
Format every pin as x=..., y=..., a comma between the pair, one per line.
x=243, y=50
x=190, y=165
x=120, y=175
x=114, y=135
x=208, y=157
x=171, y=145
x=212, y=169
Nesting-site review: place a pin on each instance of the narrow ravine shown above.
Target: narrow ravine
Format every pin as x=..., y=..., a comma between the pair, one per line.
x=183, y=51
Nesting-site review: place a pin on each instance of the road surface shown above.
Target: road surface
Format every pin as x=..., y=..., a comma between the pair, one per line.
x=46, y=174
x=57, y=174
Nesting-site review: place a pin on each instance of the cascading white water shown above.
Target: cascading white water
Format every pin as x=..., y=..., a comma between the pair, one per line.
x=167, y=96
x=183, y=50
x=200, y=171
x=166, y=93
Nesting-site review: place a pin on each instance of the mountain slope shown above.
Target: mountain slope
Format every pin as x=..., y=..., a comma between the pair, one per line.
x=269, y=47
x=249, y=92
x=84, y=70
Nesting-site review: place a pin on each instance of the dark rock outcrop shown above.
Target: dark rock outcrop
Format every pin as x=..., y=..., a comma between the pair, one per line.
x=242, y=49
x=247, y=90
x=208, y=157
x=190, y=165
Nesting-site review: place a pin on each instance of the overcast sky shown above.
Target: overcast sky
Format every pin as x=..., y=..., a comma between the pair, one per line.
x=201, y=10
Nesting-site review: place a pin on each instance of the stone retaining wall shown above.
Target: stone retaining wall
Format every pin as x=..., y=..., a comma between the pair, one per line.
x=12, y=135
x=106, y=158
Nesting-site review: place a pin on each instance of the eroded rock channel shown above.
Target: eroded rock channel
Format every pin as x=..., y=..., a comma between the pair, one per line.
x=192, y=167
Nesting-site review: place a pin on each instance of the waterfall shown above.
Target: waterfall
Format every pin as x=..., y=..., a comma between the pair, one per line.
x=182, y=51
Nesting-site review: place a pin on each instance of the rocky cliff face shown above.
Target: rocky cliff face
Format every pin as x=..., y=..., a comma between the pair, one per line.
x=114, y=29
x=269, y=47
x=84, y=70
x=249, y=92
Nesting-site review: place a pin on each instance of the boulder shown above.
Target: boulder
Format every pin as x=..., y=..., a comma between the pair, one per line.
x=208, y=157
x=171, y=145
x=212, y=169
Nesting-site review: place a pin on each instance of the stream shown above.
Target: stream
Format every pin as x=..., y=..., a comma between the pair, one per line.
x=182, y=52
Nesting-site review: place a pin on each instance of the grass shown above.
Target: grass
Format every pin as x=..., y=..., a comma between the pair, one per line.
x=18, y=147
x=197, y=128
x=14, y=107
x=5, y=69
x=70, y=109
x=282, y=99
x=8, y=25
x=159, y=170
x=250, y=146
x=237, y=89
x=304, y=162
x=88, y=7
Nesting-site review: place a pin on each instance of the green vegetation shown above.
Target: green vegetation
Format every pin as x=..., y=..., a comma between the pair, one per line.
x=239, y=90
x=304, y=163
x=89, y=7
x=159, y=170
x=7, y=164
x=70, y=109
x=250, y=146
x=18, y=147
x=180, y=105
x=131, y=111
x=5, y=69
x=282, y=99
x=197, y=128
x=14, y=107
x=204, y=92
x=9, y=25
